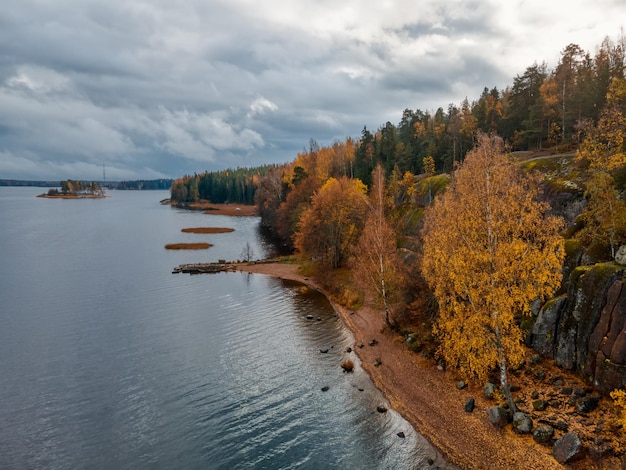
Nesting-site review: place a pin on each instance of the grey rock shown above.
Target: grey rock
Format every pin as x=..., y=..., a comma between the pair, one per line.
x=498, y=416
x=568, y=448
x=543, y=434
x=620, y=255
x=489, y=389
x=587, y=404
x=522, y=423
x=470, y=405
x=461, y=385
x=540, y=405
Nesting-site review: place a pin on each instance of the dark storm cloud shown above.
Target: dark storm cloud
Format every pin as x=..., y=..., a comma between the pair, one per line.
x=162, y=88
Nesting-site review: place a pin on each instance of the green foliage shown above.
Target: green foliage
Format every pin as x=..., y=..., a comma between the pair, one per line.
x=231, y=186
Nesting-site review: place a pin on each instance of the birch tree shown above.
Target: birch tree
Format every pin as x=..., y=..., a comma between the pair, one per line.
x=490, y=249
x=377, y=264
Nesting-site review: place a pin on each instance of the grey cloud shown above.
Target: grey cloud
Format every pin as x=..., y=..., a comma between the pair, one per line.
x=167, y=87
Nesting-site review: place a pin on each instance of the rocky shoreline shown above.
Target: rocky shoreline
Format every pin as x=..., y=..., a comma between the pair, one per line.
x=457, y=419
x=561, y=419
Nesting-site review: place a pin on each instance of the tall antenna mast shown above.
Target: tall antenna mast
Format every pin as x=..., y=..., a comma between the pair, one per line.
x=104, y=176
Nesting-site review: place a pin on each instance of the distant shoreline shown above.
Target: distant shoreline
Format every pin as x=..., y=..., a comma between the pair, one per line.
x=73, y=196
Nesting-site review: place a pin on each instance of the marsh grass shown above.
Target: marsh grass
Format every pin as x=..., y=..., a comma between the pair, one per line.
x=187, y=246
x=208, y=230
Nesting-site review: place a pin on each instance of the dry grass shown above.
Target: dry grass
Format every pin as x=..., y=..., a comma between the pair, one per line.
x=208, y=230
x=187, y=246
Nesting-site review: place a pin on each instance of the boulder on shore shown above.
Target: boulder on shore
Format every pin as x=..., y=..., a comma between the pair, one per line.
x=498, y=416
x=568, y=448
x=543, y=434
x=522, y=423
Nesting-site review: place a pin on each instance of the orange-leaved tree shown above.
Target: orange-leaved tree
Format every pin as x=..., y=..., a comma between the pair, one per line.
x=489, y=249
x=333, y=222
x=377, y=264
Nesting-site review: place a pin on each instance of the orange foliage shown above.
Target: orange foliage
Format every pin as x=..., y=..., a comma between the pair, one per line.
x=333, y=223
x=489, y=250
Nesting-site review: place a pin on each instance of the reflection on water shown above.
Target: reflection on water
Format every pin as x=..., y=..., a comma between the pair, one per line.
x=110, y=361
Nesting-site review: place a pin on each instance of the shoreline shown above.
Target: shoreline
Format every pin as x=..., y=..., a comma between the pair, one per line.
x=425, y=396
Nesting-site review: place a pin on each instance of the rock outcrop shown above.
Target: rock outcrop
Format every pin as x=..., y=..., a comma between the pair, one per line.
x=585, y=329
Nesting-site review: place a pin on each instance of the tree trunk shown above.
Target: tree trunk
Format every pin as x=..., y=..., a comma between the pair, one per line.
x=504, y=384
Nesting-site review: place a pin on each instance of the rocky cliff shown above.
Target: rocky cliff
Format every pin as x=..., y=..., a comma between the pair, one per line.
x=584, y=329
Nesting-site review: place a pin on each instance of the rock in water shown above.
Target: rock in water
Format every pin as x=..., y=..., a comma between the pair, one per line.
x=469, y=405
x=568, y=448
x=325, y=388
x=401, y=435
x=381, y=409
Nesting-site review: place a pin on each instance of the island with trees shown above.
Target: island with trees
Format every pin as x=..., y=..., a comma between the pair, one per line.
x=484, y=247
x=75, y=189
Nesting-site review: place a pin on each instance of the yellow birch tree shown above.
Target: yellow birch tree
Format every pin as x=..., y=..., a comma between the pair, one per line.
x=377, y=264
x=489, y=250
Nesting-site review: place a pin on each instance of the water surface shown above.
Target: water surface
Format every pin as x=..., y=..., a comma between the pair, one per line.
x=108, y=360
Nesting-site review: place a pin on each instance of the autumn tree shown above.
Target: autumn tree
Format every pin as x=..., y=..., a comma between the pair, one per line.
x=377, y=264
x=333, y=222
x=605, y=213
x=603, y=149
x=489, y=250
x=604, y=146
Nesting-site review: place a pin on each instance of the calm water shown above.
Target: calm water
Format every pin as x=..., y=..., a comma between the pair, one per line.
x=108, y=360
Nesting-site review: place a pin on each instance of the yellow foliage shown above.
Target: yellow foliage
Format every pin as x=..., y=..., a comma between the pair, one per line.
x=489, y=250
x=619, y=400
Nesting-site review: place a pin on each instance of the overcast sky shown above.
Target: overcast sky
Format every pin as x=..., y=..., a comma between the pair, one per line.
x=163, y=88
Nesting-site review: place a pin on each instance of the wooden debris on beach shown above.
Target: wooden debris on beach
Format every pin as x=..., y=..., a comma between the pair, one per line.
x=204, y=268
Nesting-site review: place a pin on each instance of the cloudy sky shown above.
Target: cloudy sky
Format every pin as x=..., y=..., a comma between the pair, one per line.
x=162, y=88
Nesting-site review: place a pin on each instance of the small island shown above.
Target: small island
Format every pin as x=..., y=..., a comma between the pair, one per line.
x=74, y=189
x=207, y=230
x=187, y=246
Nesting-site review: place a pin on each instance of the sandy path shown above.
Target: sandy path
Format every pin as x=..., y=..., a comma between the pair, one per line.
x=427, y=397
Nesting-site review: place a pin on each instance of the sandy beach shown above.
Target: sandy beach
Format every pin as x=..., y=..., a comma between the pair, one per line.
x=428, y=399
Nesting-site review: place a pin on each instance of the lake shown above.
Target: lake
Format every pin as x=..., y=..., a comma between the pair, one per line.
x=108, y=360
